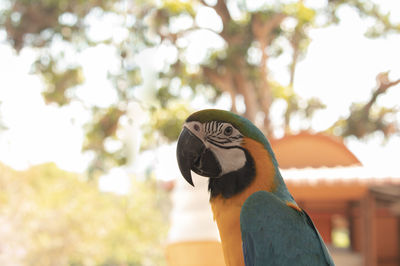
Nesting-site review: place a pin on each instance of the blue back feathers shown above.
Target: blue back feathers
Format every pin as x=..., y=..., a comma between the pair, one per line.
x=275, y=234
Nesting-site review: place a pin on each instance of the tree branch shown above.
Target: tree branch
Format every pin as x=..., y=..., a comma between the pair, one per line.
x=263, y=32
x=383, y=84
x=262, y=29
x=174, y=36
x=223, y=12
x=295, y=43
x=204, y=3
x=224, y=82
x=246, y=88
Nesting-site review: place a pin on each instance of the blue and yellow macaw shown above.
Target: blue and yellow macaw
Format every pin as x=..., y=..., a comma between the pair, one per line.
x=258, y=220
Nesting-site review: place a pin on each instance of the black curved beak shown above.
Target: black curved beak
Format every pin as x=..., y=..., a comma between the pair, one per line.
x=192, y=154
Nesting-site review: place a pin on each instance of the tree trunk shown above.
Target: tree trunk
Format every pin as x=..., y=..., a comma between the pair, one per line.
x=245, y=88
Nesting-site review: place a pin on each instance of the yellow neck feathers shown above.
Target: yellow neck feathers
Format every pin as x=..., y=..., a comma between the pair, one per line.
x=227, y=211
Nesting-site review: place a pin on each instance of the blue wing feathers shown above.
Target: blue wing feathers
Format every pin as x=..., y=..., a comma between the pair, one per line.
x=248, y=249
x=275, y=234
x=324, y=249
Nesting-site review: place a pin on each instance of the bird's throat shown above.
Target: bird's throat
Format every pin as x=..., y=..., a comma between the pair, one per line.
x=234, y=182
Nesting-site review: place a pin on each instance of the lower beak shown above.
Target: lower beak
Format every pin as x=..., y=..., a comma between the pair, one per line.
x=192, y=154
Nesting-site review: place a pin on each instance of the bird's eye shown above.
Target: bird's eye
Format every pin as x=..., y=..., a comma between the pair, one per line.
x=196, y=127
x=228, y=131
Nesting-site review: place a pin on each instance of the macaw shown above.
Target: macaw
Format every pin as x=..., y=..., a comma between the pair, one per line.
x=259, y=221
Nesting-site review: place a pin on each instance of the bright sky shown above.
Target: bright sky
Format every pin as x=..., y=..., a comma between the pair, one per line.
x=340, y=68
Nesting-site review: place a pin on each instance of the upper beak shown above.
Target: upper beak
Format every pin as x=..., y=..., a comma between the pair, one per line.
x=192, y=154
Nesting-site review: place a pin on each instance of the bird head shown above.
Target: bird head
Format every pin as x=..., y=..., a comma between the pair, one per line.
x=222, y=146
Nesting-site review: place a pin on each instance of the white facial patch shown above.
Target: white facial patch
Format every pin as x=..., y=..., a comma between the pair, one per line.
x=230, y=159
x=224, y=140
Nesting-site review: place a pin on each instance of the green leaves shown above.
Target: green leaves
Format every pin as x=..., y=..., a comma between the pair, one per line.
x=368, y=118
x=177, y=7
x=301, y=12
x=166, y=122
x=58, y=219
x=104, y=127
x=361, y=123
x=238, y=66
x=37, y=22
x=59, y=82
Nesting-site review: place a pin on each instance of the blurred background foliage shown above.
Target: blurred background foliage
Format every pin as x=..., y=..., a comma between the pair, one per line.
x=41, y=204
x=249, y=36
x=52, y=217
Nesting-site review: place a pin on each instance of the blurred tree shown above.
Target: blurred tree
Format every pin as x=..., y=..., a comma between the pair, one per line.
x=367, y=118
x=52, y=217
x=244, y=39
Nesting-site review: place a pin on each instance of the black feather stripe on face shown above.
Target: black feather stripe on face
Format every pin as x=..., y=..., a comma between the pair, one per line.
x=235, y=182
